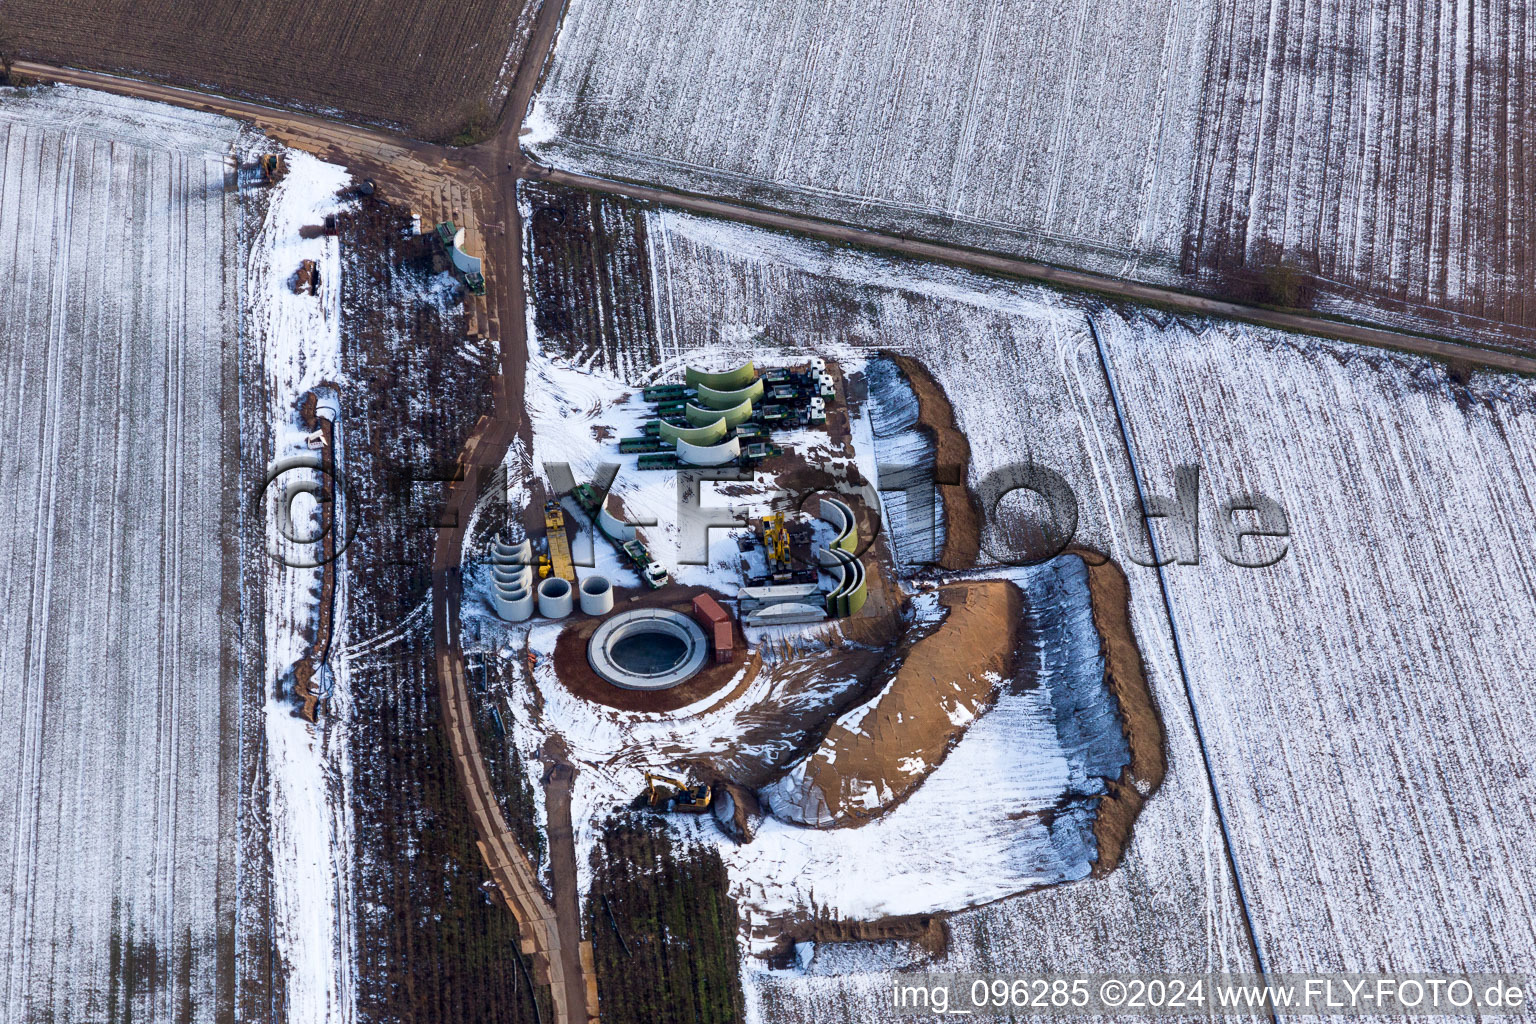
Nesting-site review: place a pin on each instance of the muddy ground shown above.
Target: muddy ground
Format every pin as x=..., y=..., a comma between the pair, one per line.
x=431, y=946
x=432, y=69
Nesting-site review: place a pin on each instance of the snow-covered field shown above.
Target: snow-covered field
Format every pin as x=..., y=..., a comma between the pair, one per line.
x=308, y=765
x=1064, y=132
x=1362, y=702
x=1382, y=146
x=1367, y=702
x=1375, y=145
x=119, y=290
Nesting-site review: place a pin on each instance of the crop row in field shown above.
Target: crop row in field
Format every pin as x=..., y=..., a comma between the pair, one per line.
x=663, y=927
x=1016, y=124
x=589, y=278
x=1364, y=700
x=1383, y=149
x=118, y=646
x=1378, y=153
x=431, y=945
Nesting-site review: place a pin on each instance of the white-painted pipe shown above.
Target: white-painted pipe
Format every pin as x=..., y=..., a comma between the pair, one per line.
x=555, y=598
x=512, y=576
x=596, y=595
x=513, y=604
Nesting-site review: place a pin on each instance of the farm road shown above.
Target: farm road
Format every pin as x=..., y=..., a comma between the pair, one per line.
x=1060, y=277
x=489, y=173
x=393, y=157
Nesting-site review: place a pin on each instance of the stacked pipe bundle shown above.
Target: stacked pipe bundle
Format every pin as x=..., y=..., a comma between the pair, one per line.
x=511, y=558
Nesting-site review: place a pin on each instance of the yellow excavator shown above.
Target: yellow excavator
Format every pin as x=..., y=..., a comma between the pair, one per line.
x=776, y=541
x=684, y=798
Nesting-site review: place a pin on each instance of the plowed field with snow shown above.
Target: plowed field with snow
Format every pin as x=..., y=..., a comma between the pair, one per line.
x=118, y=685
x=423, y=67
x=1382, y=150
x=1351, y=722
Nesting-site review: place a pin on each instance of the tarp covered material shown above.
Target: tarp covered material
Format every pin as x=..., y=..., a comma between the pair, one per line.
x=791, y=613
x=706, y=434
x=713, y=455
x=713, y=399
x=698, y=417
x=728, y=380
x=774, y=595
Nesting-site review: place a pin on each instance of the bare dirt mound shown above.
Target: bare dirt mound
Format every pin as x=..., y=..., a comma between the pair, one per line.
x=875, y=756
x=952, y=458
x=1125, y=676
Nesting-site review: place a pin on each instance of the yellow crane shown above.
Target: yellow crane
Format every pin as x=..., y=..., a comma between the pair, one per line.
x=687, y=799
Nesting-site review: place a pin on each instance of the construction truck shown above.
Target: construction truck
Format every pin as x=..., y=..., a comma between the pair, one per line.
x=651, y=571
x=272, y=167
x=681, y=797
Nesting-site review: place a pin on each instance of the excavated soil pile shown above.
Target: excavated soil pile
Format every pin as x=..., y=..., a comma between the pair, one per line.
x=952, y=459
x=871, y=761
x=1124, y=675
x=928, y=931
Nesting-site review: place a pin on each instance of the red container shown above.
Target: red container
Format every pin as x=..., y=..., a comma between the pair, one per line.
x=715, y=620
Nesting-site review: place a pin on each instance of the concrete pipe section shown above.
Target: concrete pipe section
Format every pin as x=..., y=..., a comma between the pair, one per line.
x=596, y=595
x=555, y=598
x=648, y=649
x=512, y=576
x=519, y=553
x=513, y=604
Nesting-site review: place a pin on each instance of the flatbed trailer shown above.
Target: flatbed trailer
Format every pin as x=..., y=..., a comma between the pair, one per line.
x=664, y=392
x=559, y=544
x=658, y=460
x=588, y=498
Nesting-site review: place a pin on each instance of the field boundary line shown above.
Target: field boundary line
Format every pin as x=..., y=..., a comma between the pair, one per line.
x=1061, y=278
x=1178, y=654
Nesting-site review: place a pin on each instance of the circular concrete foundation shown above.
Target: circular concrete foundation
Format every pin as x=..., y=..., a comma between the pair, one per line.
x=648, y=649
